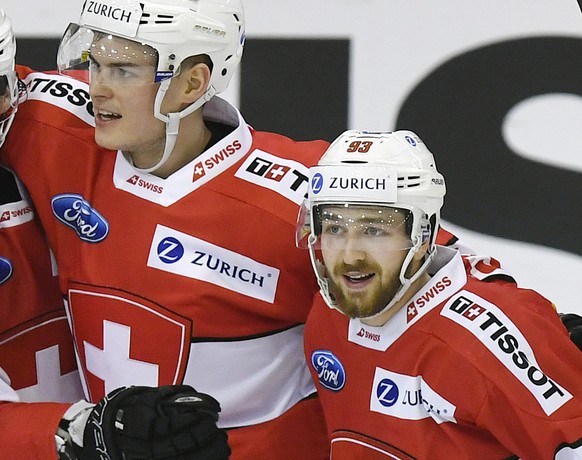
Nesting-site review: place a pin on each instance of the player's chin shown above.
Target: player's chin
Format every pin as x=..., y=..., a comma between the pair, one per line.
x=107, y=140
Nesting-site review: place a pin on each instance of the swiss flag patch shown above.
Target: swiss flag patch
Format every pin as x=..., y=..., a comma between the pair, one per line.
x=38, y=357
x=126, y=340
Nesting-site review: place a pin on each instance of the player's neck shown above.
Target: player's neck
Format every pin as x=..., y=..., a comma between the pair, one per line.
x=193, y=137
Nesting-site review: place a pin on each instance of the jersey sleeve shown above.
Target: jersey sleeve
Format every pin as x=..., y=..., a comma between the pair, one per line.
x=27, y=430
x=534, y=405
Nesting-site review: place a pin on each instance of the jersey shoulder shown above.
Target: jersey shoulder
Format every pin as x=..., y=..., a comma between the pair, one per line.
x=274, y=174
x=55, y=99
x=306, y=152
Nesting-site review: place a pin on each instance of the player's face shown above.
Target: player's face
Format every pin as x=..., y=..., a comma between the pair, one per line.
x=123, y=92
x=363, y=250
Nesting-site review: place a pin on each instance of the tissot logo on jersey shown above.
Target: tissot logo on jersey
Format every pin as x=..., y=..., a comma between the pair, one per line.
x=185, y=255
x=408, y=397
x=286, y=177
x=413, y=308
x=76, y=213
x=329, y=369
x=70, y=95
x=138, y=181
x=500, y=335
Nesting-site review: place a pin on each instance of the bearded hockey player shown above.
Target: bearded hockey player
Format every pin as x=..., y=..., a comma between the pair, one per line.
x=415, y=354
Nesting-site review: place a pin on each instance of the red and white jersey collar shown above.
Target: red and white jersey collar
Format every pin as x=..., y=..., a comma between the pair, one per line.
x=448, y=276
x=199, y=171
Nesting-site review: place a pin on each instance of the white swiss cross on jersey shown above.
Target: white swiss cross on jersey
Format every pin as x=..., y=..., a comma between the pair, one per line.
x=39, y=360
x=125, y=340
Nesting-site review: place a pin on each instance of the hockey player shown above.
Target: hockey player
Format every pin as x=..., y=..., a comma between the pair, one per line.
x=38, y=374
x=37, y=361
x=175, y=248
x=413, y=355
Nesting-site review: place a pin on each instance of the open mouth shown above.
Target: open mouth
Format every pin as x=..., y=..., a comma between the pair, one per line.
x=357, y=279
x=107, y=116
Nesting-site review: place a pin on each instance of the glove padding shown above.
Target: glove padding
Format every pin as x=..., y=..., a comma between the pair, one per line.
x=153, y=423
x=573, y=323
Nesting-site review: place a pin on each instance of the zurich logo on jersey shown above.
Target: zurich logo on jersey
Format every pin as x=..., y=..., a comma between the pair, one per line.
x=5, y=270
x=330, y=371
x=170, y=250
x=387, y=392
x=76, y=212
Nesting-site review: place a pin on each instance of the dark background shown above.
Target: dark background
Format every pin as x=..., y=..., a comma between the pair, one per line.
x=300, y=88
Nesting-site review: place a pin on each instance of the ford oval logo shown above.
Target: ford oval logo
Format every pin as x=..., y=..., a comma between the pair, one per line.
x=330, y=371
x=75, y=212
x=5, y=270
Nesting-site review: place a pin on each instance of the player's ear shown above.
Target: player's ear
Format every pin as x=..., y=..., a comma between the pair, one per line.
x=196, y=79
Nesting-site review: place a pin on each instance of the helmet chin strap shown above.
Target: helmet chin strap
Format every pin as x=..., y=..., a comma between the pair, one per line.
x=172, y=121
x=405, y=282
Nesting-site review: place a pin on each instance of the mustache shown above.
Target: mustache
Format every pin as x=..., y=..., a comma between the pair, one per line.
x=341, y=268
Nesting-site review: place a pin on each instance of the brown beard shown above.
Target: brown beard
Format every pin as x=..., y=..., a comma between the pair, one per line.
x=362, y=305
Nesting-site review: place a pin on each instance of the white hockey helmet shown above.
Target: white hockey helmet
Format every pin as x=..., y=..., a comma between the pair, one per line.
x=174, y=30
x=378, y=169
x=9, y=87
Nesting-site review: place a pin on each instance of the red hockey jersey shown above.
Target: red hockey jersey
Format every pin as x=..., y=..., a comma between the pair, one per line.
x=192, y=279
x=468, y=369
x=36, y=348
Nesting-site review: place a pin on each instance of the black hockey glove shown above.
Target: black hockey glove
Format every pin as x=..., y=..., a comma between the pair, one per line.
x=153, y=423
x=573, y=323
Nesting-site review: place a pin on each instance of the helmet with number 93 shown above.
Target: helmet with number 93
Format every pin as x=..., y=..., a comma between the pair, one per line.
x=372, y=184
x=9, y=86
